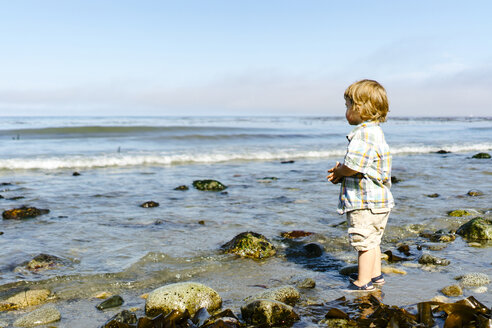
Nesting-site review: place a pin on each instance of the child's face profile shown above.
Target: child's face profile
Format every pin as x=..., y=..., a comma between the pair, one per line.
x=352, y=116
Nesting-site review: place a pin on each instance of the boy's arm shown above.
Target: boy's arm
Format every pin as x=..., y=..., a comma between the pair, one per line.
x=338, y=172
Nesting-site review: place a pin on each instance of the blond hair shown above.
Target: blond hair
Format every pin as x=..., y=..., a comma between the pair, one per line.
x=369, y=99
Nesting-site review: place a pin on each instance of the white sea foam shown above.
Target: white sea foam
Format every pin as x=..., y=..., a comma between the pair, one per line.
x=137, y=159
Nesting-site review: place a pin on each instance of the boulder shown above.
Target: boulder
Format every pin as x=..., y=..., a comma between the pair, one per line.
x=285, y=294
x=41, y=316
x=474, y=193
x=482, y=156
x=476, y=229
x=268, y=313
x=183, y=296
x=25, y=299
x=250, y=244
x=23, y=213
x=208, y=185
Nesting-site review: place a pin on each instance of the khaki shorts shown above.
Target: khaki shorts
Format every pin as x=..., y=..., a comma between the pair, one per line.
x=366, y=227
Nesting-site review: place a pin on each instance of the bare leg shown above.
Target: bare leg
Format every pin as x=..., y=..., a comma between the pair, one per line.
x=376, y=271
x=366, y=266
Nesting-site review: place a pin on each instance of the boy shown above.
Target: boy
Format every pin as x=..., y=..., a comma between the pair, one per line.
x=365, y=177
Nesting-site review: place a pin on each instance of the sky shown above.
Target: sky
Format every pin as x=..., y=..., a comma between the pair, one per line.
x=233, y=57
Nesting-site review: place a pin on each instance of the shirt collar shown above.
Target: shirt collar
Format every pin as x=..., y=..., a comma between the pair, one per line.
x=360, y=126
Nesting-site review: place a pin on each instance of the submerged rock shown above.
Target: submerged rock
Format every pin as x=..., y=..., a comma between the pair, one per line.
x=296, y=234
x=182, y=296
x=427, y=259
x=43, y=262
x=474, y=193
x=182, y=187
x=286, y=294
x=452, y=291
x=250, y=244
x=474, y=279
x=306, y=283
x=25, y=299
x=269, y=313
x=482, y=156
x=476, y=229
x=113, y=301
x=208, y=185
x=435, y=195
x=41, y=316
x=149, y=204
x=459, y=213
x=23, y=213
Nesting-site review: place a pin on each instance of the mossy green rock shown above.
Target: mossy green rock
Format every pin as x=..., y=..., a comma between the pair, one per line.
x=286, y=294
x=208, y=185
x=459, y=213
x=476, y=229
x=482, y=156
x=41, y=316
x=183, y=296
x=250, y=244
x=268, y=313
x=113, y=301
x=452, y=291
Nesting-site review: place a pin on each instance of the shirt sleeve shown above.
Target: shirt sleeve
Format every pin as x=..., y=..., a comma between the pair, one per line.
x=360, y=155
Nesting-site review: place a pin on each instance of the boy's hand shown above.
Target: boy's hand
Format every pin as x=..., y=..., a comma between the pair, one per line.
x=332, y=177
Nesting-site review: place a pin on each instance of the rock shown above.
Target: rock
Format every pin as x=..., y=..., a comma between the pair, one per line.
x=43, y=262
x=182, y=187
x=442, y=151
x=75, y=174
x=440, y=298
x=476, y=229
x=435, y=195
x=452, y=291
x=182, y=296
x=405, y=249
x=395, y=180
x=427, y=259
x=208, y=185
x=481, y=156
x=387, y=270
x=41, y=316
x=149, y=204
x=348, y=270
x=113, y=301
x=250, y=244
x=313, y=250
x=268, y=313
x=287, y=162
x=124, y=316
x=459, y=213
x=286, y=294
x=474, y=193
x=306, y=283
x=25, y=299
x=296, y=234
x=102, y=295
x=23, y=213
x=474, y=279
x=436, y=247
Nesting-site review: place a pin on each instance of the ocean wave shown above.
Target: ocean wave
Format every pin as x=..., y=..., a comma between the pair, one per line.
x=138, y=159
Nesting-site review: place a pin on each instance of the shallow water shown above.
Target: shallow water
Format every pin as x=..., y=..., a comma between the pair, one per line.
x=112, y=244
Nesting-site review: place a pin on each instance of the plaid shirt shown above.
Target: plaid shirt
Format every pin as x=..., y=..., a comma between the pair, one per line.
x=369, y=154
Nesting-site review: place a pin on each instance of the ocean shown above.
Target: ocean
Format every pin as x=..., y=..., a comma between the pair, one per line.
x=274, y=168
